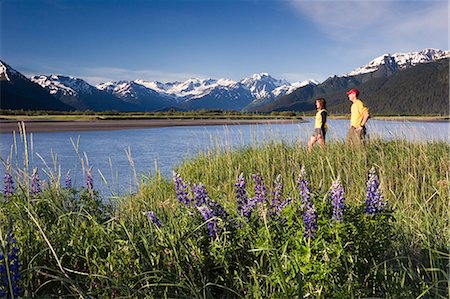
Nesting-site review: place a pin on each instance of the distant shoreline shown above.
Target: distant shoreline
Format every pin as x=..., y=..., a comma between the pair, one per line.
x=8, y=126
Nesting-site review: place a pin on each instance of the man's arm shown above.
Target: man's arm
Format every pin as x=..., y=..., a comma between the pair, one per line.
x=365, y=118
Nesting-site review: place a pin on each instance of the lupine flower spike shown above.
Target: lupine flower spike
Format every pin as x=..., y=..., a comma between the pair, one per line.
x=210, y=209
x=201, y=196
x=337, y=200
x=151, y=215
x=374, y=198
x=208, y=215
x=310, y=213
x=89, y=180
x=278, y=204
x=181, y=189
x=68, y=181
x=302, y=184
x=9, y=184
x=260, y=189
x=9, y=268
x=310, y=221
x=35, y=186
x=245, y=204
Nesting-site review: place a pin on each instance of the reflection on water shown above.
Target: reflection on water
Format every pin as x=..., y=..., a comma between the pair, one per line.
x=117, y=155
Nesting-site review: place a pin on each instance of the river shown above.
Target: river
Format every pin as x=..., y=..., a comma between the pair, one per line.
x=118, y=155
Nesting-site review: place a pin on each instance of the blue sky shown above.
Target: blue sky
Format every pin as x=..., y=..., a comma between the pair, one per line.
x=176, y=40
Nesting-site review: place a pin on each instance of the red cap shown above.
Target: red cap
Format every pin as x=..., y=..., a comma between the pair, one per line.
x=353, y=90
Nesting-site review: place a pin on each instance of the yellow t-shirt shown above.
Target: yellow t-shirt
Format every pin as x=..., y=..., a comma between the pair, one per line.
x=318, y=123
x=358, y=108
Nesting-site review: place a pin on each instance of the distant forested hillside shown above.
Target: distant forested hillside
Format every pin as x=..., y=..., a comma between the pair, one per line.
x=423, y=89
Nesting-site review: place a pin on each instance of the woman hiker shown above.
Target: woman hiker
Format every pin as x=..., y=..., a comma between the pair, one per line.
x=320, y=124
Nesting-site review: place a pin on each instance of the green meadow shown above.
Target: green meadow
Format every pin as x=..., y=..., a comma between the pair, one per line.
x=61, y=241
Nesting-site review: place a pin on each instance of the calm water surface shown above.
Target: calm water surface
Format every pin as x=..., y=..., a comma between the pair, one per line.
x=113, y=153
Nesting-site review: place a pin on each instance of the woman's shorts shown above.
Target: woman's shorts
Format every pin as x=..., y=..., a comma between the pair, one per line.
x=319, y=131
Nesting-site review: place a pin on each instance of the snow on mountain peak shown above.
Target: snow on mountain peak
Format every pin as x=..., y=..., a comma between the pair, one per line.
x=287, y=89
x=3, y=72
x=401, y=60
x=262, y=85
x=258, y=86
x=6, y=72
x=65, y=85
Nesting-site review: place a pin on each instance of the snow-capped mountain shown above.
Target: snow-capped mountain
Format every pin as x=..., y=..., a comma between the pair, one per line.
x=79, y=94
x=18, y=92
x=381, y=68
x=276, y=93
x=190, y=94
x=205, y=93
x=59, y=85
x=261, y=85
x=287, y=89
x=400, y=61
x=189, y=89
x=7, y=73
x=138, y=94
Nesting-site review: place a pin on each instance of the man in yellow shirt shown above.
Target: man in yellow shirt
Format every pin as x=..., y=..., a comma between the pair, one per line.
x=358, y=119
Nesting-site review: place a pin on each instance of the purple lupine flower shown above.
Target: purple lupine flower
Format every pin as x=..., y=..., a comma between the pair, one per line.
x=260, y=189
x=302, y=183
x=337, y=200
x=9, y=185
x=181, y=190
x=217, y=209
x=209, y=209
x=278, y=203
x=245, y=204
x=68, y=181
x=374, y=198
x=201, y=196
x=89, y=180
x=241, y=193
x=208, y=214
x=151, y=215
x=35, y=186
x=310, y=221
x=9, y=267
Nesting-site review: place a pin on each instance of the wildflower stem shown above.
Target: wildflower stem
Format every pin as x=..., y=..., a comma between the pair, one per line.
x=277, y=259
x=46, y=240
x=3, y=243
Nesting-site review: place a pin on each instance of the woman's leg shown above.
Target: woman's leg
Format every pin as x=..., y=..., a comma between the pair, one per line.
x=321, y=141
x=311, y=142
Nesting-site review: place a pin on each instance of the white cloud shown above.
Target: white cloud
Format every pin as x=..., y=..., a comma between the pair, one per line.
x=366, y=29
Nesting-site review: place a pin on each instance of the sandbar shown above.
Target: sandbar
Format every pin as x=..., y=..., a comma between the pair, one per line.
x=8, y=126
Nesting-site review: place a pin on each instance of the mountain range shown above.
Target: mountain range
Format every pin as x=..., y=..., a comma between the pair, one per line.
x=18, y=92
x=260, y=92
x=426, y=72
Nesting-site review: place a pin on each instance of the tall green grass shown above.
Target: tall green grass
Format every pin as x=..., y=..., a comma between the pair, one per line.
x=414, y=176
x=72, y=243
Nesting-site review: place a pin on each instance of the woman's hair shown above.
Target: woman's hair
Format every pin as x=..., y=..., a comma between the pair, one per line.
x=322, y=102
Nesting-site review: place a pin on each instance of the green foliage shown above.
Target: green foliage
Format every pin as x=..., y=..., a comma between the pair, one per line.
x=74, y=244
x=171, y=114
x=419, y=90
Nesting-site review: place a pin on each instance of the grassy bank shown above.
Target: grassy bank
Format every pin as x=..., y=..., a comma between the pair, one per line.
x=90, y=115
x=19, y=115
x=70, y=242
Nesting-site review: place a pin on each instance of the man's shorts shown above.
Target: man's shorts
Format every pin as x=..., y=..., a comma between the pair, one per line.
x=356, y=136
